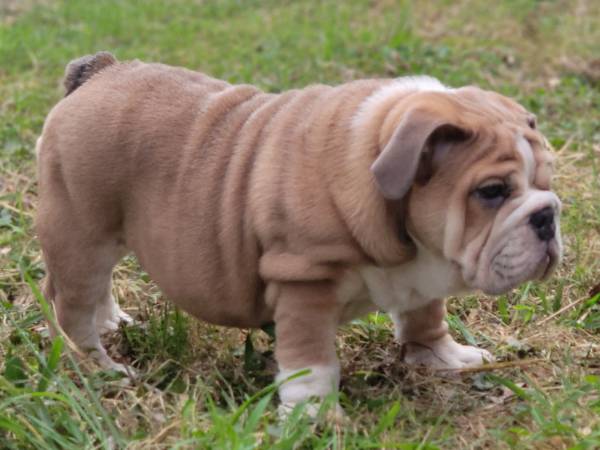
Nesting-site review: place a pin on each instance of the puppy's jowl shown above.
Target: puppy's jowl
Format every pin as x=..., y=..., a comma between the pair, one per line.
x=307, y=208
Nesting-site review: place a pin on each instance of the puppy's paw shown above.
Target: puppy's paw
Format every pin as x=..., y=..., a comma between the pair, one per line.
x=107, y=326
x=123, y=317
x=107, y=363
x=445, y=353
x=109, y=316
x=313, y=391
x=313, y=410
x=113, y=323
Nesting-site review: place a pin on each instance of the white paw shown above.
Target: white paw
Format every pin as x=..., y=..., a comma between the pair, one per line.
x=445, y=353
x=107, y=326
x=107, y=363
x=109, y=316
x=334, y=414
x=315, y=381
x=123, y=317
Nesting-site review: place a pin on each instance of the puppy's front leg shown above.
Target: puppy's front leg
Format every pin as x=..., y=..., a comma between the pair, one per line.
x=306, y=318
x=424, y=332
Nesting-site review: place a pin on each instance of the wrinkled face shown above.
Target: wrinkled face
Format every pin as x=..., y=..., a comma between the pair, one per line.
x=488, y=205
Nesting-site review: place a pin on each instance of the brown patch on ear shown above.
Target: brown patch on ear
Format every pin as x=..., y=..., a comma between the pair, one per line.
x=409, y=156
x=436, y=148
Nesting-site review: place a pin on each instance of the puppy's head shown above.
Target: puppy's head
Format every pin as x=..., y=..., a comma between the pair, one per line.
x=475, y=175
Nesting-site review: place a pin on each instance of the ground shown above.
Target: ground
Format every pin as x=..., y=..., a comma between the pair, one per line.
x=201, y=386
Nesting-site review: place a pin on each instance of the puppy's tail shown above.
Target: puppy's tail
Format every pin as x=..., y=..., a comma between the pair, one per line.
x=82, y=69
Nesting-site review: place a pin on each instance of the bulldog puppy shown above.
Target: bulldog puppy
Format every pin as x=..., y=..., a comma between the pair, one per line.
x=307, y=208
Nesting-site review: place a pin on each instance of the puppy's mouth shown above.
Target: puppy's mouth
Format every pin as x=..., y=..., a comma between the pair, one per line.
x=505, y=280
x=548, y=264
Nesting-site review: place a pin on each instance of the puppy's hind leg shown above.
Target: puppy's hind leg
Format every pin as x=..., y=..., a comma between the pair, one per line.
x=79, y=283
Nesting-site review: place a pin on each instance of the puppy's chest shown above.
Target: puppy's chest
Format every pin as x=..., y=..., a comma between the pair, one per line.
x=397, y=289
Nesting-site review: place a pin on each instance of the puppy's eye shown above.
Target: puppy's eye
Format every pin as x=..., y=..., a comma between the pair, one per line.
x=492, y=191
x=493, y=195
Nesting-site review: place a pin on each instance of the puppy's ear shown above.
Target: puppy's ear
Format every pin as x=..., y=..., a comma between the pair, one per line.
x=420, y=141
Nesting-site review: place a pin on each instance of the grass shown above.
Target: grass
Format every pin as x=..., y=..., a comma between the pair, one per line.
x=201, y=386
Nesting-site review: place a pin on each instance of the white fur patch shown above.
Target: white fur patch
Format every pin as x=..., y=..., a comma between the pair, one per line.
x=399, y=85
x=321, y=380
x=421, y=83
x=527, y=153
x=401, y=288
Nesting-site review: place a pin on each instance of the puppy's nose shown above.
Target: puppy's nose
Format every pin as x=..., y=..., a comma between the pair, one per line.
x=542, y=222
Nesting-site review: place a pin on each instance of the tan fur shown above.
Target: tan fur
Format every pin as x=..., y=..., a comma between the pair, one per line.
x=247, y=207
